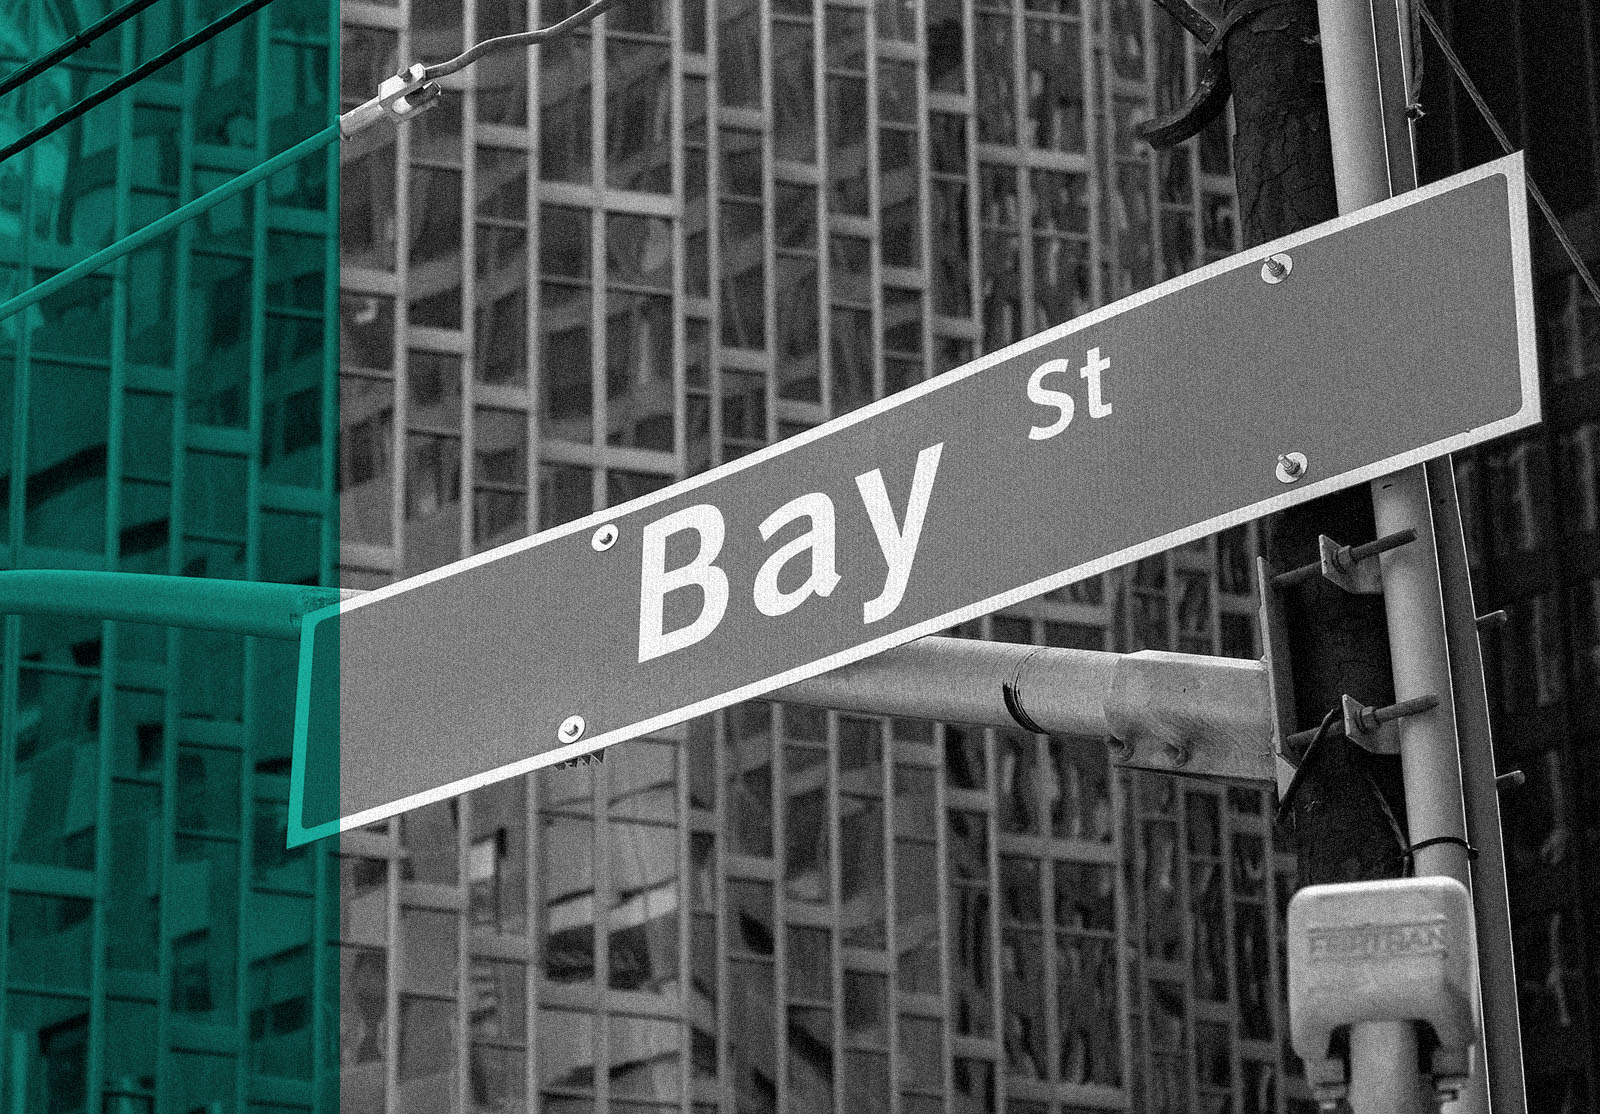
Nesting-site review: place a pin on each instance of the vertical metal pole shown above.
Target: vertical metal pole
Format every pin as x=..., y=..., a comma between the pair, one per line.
x=1365, y=49
x=1413, y=599
x=1418, y=649
x=1388, y=1051
x=1497, y=981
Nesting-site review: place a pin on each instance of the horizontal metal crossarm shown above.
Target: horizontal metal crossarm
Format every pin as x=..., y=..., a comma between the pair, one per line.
x=1177, y=713
x=198, y=603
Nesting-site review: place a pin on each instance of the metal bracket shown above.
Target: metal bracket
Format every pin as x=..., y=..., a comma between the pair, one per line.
x=408, y=93
x=1191, y=18
x=1374, y=729
x=1191, y=714
x=1280, y=684
x=1511, y=779
x=1359, y=578
x=1348, y=566
x=1361, y=728
x=594, y=758
x=1211, y=94
x=1205, y=104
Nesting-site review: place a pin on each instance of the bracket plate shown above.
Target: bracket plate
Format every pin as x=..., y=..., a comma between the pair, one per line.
x=1280, y=683
x=1383, y=739
x=1359, y=578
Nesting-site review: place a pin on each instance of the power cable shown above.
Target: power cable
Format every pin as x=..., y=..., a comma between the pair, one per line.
x=1406, y=857
x=133, y=241
x=522, y=38
x=410, y=83
x=133, y=77
x=82, y=39
x=1313, y=748
x=416, y=88
x=1505, y=144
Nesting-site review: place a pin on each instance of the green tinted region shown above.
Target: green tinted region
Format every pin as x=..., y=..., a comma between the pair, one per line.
x=317, y=734
x=162, y=948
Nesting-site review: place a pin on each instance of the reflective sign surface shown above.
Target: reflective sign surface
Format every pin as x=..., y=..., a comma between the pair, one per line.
x=1396, y=334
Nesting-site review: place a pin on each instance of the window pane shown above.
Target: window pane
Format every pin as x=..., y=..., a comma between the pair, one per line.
x=497, y=858
x=497, y=1079
x=567, y=844
x=638, y=116
x=639, y=389
x=645, y=1056
x=428, y=951
x=643, y=920
x=49, y=939
x=565, y=362
x=793, y=94
x=564, y=143
x=566, y=1050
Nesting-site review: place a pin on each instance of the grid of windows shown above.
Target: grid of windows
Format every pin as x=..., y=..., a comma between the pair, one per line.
x=165, y=416
x=650, y=248
x=1533, y=538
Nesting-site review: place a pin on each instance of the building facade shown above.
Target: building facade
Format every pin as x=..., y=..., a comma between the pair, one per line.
x=1530, y=501
x=166, y=415
x=649, y=248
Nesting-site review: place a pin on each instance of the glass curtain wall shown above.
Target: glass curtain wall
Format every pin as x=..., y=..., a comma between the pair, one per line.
x=649, y=248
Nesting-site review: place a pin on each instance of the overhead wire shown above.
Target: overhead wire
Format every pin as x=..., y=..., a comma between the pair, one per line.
x=255, y=174
x=1406, y=852
x=1505, y=144
x=108, y=22
x=132, y=77
x=135, y=240
x=1313, y=749
x=521, y=38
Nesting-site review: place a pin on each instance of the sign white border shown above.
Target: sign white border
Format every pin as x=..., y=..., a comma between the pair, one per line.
x=1511, y=167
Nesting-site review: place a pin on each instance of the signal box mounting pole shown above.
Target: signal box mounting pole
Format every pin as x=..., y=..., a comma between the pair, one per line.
x=1368, y=72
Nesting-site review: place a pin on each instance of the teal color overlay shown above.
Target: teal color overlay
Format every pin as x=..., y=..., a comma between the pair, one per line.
x=314, y=782
x=168, y=299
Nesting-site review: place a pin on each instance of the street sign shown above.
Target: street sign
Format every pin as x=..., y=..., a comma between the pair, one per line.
x=1330, y=357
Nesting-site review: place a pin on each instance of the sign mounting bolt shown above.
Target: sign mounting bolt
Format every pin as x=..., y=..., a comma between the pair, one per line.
x=604, y=538
x=571, y=729
x=1276, y=268
x=1291, y=466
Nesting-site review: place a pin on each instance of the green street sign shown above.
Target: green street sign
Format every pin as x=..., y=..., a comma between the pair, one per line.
x=1328, y=358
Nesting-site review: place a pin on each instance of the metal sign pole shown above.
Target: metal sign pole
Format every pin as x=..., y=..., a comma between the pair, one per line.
x=1366, y=64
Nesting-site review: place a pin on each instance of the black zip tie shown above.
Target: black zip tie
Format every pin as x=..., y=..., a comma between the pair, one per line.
x=1472, y=852
x=1013, y=702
